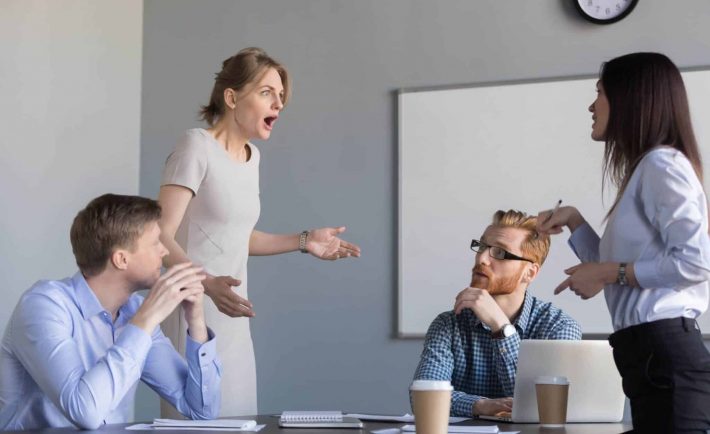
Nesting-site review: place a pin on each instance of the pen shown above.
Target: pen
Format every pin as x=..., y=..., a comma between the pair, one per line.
x=557, y=206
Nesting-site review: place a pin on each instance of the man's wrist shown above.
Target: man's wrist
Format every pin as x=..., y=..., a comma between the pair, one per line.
x=198, y=333
x=196, y=324
x=143, y=324
x=194, y=316
x=499, y=321
x=506, y=331
x=498, y=325
x=197, y=321
x=476, y=407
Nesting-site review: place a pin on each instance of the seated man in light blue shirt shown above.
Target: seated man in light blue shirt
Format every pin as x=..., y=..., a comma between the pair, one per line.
x=74, y=349
x=475, y=345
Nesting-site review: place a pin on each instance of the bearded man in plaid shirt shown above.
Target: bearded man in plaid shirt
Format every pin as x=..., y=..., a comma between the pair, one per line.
x=475, y=346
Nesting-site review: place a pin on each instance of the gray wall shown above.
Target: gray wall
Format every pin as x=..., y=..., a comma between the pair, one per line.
x=324, y=331
x=70, y=75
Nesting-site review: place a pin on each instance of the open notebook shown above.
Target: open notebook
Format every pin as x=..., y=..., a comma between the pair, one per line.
x=317, y=419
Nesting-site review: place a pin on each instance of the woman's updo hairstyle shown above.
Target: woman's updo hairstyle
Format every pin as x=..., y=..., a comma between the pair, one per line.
x=240, y=70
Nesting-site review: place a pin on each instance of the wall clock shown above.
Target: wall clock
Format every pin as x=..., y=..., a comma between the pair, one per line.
x=604, y=11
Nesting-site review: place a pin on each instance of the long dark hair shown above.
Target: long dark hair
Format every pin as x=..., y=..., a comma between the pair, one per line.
x=245, y=67
x=648, y=107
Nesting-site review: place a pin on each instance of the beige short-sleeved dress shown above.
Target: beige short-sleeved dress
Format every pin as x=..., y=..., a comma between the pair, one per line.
x=215, y=233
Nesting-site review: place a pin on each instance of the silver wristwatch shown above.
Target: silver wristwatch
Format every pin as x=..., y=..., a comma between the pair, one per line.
x=505, y=331
x=621, y=278
x=302, y=241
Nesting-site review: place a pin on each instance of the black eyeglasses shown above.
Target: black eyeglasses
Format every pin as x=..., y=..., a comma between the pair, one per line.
x=496, y=252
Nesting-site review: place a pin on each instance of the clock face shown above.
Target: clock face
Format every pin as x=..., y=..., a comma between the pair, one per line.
x=605, y=11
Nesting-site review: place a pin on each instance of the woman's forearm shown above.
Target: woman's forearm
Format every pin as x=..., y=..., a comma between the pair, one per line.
x=176, y=254
x=262, y=243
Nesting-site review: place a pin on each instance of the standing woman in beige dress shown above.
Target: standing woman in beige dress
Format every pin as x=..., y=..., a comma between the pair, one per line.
x=210, y=198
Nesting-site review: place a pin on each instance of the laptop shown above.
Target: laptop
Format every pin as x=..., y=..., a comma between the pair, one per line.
x=595, y=393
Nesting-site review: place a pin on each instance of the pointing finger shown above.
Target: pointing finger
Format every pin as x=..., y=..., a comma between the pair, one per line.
x=564, y=285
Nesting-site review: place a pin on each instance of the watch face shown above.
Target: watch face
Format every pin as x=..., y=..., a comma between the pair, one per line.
x=508, y=330
x=605, y=11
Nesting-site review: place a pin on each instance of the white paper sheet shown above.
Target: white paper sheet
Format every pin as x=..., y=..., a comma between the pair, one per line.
x=481, y=429
x=213, y=423
x=386, y=431
x=405, y=418
x=200, y=425
x=398, y=431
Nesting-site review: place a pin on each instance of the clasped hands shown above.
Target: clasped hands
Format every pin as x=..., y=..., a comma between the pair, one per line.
x=179, y=285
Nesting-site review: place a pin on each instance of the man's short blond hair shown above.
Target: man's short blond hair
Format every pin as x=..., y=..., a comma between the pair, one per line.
x=535, y=246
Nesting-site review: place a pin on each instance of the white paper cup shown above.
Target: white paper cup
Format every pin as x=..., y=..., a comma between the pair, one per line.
x=432, y=404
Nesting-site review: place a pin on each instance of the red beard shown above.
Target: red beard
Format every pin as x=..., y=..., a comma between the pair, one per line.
x=494, y=285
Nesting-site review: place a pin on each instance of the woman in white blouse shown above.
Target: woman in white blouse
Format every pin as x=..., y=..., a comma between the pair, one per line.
x=653, y=260
x=210, y=198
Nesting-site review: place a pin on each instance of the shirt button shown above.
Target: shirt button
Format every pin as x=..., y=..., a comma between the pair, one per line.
x=502, y=350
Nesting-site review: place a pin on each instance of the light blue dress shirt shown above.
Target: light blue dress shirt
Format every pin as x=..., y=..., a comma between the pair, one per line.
x=661, y=226
x=63, y=361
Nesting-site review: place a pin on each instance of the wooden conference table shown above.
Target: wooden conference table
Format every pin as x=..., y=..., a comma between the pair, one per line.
x=272, y=427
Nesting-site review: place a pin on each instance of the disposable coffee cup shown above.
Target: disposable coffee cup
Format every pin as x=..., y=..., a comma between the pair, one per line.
x=552, y=395
x=432, y=403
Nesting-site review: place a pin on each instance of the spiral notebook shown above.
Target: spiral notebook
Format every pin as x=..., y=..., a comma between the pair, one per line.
x=317, y=419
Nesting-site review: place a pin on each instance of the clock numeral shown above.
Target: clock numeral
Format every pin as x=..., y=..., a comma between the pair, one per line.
x=603, y=12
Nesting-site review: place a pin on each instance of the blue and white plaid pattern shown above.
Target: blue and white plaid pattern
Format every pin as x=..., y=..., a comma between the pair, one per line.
x=460, y=348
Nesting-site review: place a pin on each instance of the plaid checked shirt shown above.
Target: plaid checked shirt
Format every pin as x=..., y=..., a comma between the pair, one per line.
x=461, y=349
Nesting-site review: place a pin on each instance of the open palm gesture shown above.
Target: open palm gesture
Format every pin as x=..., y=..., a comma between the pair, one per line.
x=324, y=243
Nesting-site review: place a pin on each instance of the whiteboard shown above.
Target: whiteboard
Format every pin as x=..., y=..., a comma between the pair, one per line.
x=466, y=152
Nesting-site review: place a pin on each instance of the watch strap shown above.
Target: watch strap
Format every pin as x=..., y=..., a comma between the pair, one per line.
x=621, y=277
x=302, y=238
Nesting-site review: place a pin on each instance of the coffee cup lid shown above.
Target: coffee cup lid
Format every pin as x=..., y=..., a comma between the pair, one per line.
x=430, y=385
x=551, y=379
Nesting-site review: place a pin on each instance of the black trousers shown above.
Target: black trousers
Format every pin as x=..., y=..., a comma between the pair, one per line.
x=665, y=371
